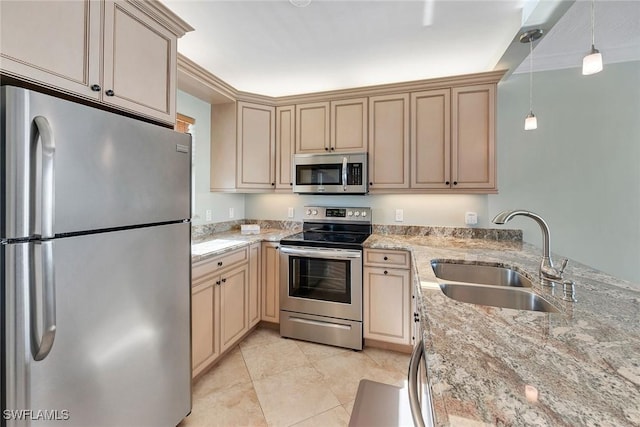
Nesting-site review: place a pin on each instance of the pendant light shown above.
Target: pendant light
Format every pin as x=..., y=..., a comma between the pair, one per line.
x=592, y=63
x=531, y=121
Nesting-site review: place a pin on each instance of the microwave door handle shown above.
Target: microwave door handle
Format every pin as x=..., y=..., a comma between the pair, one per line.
x=344, y=173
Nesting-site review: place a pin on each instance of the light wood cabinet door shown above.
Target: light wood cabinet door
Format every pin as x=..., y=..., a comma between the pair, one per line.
x=256, y=146
x=223, y=159
x=285, y=145
x=270, y=282
x=234, y=305
x=389, y=142
x=349, y=125
x=204, y=336
x=387, y=305
x=473, y=137
x=312, y=127
x=255, y=270
x=430, y=139
x=56, y=44
x=139, y=62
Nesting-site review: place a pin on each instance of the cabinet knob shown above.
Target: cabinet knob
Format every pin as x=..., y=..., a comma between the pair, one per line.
x=291, y=183
x=218, y=283
x=224, y=280
x=110, y=92
x=333, y=148
x=455, y=182
x=446, y=182
x=219, y=263
x=273, y=184
x=386, y=258
x=326, y=149
x=96, y=88
x=371, y=183
x=386, y=272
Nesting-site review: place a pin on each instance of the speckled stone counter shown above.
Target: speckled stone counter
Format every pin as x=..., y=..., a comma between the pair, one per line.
x=494, y=366
x=220, y=243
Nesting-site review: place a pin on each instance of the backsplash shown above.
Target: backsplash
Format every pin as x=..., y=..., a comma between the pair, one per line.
x=454, y=232
x=201, y=231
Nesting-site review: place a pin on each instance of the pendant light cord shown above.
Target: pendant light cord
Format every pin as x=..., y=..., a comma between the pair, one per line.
x=530, y=74
x=593, y=23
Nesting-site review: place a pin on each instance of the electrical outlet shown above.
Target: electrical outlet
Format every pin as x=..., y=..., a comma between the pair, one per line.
x=399, y=215
x=471, y=218
x=208, y=214
x=231, y=213
x=290, y=213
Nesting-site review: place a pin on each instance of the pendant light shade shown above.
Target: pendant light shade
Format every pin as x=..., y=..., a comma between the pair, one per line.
x=592, y=63
x=531, y=121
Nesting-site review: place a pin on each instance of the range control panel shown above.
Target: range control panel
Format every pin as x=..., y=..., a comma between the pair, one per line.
x=337, y=214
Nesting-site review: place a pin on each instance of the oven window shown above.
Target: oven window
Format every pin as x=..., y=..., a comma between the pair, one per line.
x=329, y=174
x=320, y=279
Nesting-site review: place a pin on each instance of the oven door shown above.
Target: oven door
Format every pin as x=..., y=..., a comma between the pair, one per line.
x=320, y=281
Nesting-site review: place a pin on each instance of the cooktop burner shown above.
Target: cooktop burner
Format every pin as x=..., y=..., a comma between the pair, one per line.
x=345, y=228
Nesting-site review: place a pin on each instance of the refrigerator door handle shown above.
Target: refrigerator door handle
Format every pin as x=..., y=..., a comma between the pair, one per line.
x=48, y=151
x=41, y=345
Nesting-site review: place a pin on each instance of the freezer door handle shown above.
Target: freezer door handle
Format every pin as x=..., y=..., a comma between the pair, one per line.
x=41, y=344
x=47, y=174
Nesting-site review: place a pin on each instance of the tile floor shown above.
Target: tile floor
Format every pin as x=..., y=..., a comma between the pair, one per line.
x=272, y=381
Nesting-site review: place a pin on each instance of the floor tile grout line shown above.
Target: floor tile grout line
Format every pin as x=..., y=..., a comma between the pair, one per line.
x=253, y=386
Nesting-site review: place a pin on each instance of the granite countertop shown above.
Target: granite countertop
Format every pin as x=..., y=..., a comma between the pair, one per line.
x=220, y=243
x=494, y=366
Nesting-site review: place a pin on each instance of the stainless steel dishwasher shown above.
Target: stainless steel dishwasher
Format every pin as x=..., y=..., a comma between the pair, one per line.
x=385, y=405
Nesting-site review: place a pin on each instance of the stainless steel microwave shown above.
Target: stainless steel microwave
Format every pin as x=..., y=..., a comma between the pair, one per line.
x=330, y=173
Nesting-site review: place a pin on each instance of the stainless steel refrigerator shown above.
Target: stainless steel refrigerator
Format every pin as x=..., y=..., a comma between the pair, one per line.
x=96, y=266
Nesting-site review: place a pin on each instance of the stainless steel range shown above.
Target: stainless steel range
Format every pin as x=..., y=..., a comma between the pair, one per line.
x=321, y=277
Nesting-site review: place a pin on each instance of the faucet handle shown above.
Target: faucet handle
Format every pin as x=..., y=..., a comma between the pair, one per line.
x=564, y=265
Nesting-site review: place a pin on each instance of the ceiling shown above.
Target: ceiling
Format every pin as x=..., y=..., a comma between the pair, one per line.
x=274, y=48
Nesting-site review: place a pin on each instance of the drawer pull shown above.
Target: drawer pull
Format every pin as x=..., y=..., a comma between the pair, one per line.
x=386, y=272
x=224, y=280
x=386, y=258
x=219, y=263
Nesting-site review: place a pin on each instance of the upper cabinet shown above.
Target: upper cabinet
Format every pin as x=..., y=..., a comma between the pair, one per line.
x=336, y=126
x=285, y=145
x=349, y=125
x=431, y=139
x=59, y=45
x=389, y=142
x=473, y=138
x=256, y=146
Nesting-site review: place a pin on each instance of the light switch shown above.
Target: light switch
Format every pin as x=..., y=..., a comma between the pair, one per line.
x=399, y=215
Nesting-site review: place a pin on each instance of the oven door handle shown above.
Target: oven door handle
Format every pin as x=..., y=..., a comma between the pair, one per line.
x=321, y=253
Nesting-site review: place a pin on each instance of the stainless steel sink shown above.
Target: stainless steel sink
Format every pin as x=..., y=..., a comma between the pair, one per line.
x=479, y=274
x=518, y=299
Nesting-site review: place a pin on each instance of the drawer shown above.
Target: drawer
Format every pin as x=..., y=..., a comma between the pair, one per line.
x=219, y=263
x=386, y=258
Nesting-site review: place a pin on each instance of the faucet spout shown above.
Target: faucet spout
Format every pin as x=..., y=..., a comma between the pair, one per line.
x=548, y=273
x=506, y=216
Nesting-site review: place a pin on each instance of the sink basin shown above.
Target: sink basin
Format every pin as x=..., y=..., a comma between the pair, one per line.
x=505, y=297
x=479, y=274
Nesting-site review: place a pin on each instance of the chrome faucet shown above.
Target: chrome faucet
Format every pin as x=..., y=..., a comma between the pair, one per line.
x=549, y=275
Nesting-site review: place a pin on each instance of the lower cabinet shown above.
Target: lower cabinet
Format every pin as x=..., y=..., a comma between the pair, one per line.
x=234, y=306
x=220, y=306
x=270, y=282
x=387, y=297
x=255, y=283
